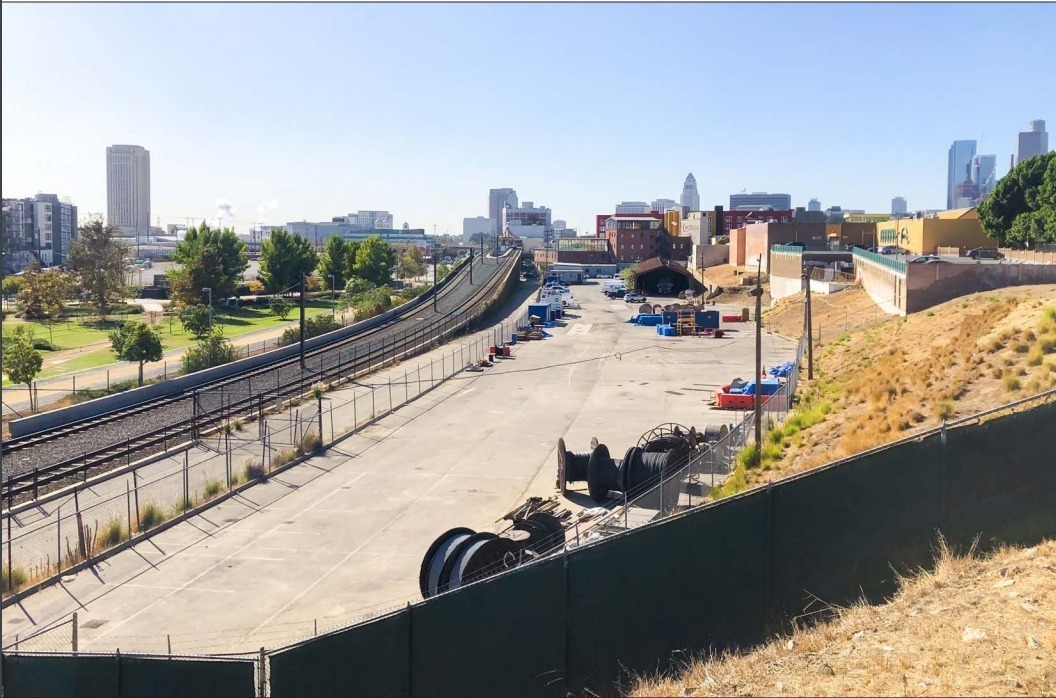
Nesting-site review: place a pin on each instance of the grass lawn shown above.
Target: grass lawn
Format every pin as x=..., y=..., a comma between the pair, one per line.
x=74, y=335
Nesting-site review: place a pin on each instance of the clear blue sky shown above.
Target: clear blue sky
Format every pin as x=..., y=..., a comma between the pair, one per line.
x=295, y=112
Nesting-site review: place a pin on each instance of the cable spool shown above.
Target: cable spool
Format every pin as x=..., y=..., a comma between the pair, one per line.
x=715, y=432
x=603, y=473
x=487, y=559
x=452, y=576
x=555, y=532
x=571, y=465
x=642, y=467
x=437, y=556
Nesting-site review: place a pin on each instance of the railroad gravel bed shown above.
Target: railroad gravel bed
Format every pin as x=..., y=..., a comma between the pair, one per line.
x=133, y=426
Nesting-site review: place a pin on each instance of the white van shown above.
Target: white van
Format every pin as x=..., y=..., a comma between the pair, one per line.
x=613, y=285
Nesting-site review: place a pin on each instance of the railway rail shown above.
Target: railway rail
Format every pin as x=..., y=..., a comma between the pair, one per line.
x=43, y=461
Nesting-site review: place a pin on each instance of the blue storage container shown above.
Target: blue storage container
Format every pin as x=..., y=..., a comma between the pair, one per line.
x=707, y=319
x=649, y=319
x=670, y=317
x=540, y=310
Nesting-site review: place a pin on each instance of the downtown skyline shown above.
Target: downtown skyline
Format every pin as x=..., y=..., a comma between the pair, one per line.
x=240, y=125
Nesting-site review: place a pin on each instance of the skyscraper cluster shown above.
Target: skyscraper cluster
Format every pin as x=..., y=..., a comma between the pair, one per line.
x=971, y=177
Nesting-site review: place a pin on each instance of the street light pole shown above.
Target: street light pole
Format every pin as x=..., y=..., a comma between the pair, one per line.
x=209, y=291
x=758, y=293
x=436, y=254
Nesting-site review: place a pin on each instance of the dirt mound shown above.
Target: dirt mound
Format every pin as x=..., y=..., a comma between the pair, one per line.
x=973, y=626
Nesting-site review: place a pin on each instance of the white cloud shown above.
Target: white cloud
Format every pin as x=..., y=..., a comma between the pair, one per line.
x=225, y=209
x=266, y=207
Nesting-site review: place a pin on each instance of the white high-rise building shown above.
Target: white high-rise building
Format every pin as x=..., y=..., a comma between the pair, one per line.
x=1032, y=142
x=984, y=169
x=664, y=205
x=128, y=188
x=899, y=207
x=813, y=205
x=690, y=198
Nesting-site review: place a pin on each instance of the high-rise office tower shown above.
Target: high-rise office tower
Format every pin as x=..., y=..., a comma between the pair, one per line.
x=690, y=198
x=759, y=200
x=128, y=188
x=1032, y=142
x=813, y=205
x=499, y=199
x=958, y=169
x=898, y=206
x=984, y=173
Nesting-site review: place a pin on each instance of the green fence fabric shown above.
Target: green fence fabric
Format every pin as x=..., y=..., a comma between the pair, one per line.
x=1001, y=483
x=160, y=677
x=31, y=676
x=664, y=592
x=367, y=660
x=838, y=532
x=87, y=676
x=502, y=637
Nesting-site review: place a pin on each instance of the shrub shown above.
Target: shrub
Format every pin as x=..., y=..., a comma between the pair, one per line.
x=237, y=425
x=213, y=488
x=1035, y=357
x=282, y=458
x=15, y=581
x=211, y=350
x=183, y=505
x=1047, y=345
x=749, y=457
x=310, y=443
x=1021, y=347
x=945, y=409
x=1012, y=384
x=253, y=469
x=150, y=515
x=313, y=327
x=113, y=533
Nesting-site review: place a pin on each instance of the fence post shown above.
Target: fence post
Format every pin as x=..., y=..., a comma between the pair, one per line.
x=135, y=493
x=373, y=404
x=419, y=369
x=320, y=414
x=390, y=392
x=168, y=641
x=406, y=390
x=128, y=503
x=186, y=494
x=58, y=536
x=10, y=579
x=355, y=414
x=108, y=381
x=262, y=674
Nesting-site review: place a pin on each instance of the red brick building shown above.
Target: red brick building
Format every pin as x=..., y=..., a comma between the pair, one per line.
x=635, y=237
x=739, y=219
x=599, y=228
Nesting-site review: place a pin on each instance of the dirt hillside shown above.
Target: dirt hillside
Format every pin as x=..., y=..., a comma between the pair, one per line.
x=972, y=627
x=883, y=378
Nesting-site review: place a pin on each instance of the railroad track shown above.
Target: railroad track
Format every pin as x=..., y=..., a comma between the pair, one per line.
x=43, y=461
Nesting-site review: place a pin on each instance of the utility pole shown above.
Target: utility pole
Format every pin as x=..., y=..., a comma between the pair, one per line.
x=470, y=266
x=303, y=284
x=210, y=292
x=810, y=329
x=758, y=293
x=436, y=253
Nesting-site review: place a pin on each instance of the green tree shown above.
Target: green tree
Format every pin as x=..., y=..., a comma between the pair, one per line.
x=212, y=350
x=136, y=341
x=442, y=270
x=196, y=319
x=97, y=261
x=334, y=262
x=1021, y=210
x=43, y=293
x=219, y=256
x=12, y=285
x=280, y=306
x=284, y=257
x=21, y=362
x=411, y=264
x=628, y=275
x=313, y=327
x=374, y=261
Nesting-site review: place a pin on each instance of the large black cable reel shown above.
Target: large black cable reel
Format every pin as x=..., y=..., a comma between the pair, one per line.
x=436, y=557
x=572, y=466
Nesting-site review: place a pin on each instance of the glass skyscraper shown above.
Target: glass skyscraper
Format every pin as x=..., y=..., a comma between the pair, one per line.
x=959, y=169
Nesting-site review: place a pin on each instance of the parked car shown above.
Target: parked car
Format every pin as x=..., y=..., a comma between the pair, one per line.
x=633, y=297
x=856, y=246
x=893, y=249
x=984, y=253
x=926, y=259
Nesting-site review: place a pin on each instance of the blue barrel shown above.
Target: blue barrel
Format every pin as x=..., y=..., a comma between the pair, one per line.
x=513, y=339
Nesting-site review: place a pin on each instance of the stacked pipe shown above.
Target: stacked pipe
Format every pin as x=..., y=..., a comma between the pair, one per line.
x=462, y=556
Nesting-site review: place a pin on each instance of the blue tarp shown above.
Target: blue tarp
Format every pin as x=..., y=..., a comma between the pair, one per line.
x=783, y=370
x=768, y=386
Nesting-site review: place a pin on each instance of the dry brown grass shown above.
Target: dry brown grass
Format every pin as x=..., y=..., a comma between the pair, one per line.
x=972, y=626
x=891, y=377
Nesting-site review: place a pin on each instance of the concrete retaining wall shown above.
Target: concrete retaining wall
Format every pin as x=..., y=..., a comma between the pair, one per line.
x=885, y=286
x=111, y=403
x=931, y=284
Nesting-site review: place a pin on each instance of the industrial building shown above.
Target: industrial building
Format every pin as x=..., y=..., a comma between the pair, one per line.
x=924, y=235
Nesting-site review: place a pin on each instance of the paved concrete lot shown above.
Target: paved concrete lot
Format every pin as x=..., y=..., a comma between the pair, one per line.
x=343, y=535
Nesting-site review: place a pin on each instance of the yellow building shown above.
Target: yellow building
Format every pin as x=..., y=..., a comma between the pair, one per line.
x=673, y=222
x=959, y=228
